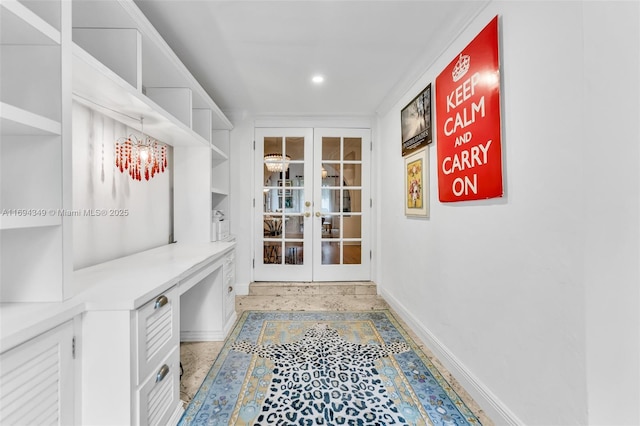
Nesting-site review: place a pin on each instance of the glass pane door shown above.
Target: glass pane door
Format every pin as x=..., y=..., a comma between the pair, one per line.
x=341, y=204
x=283, y=204
x=312, y=205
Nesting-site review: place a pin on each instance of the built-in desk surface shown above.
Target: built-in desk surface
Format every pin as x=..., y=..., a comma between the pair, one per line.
x=121, y=284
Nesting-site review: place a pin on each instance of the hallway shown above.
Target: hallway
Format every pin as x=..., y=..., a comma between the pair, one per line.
x=197, y=357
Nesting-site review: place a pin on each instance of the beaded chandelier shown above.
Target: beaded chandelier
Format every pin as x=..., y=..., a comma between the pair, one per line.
x=140, y=156
x=277, y=163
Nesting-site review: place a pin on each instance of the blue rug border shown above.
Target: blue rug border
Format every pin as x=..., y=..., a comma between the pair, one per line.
x=198, y=399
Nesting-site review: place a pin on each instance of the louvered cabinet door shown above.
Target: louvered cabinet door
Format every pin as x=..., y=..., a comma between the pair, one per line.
x=37, y=380
x=159, y=395
x=158, y=331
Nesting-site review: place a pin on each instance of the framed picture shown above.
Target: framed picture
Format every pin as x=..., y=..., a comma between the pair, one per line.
x=416, y=123
x=416, y=184
x=287, y=185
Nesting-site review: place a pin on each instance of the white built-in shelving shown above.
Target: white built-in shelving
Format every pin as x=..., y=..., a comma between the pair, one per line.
x=124, y=69
x=109, y=57
x=35, y=143
x=21, y=25
x=220, y=175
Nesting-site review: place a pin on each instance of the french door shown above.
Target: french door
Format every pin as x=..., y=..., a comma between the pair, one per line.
x=312, y=204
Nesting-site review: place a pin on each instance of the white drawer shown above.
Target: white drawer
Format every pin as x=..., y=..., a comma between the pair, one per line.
x=159, y=395
x=158, y=331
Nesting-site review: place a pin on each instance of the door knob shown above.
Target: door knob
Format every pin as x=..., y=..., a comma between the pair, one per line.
x=307, y=214
x=308, y=203
x=318, y=214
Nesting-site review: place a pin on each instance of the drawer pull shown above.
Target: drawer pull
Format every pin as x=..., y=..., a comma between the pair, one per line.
x=164, y=370
x=230, y=289
x=161, y=301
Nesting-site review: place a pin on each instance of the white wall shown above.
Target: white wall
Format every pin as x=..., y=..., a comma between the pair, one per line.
x=241, y=204
x=514, y=294
x=531, y=300
x=98, y=185
x=612, y=197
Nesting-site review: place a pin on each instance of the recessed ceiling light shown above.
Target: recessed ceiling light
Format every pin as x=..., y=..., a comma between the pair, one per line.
x=317, y=79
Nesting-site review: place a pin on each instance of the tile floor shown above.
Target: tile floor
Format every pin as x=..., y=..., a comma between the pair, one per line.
x=197, y=357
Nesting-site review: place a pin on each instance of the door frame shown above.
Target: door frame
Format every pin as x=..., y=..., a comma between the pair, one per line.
x=280, y=272
x=275, y=273
x=344, y=272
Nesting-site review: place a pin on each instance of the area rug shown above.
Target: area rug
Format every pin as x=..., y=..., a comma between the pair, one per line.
x=323, y=368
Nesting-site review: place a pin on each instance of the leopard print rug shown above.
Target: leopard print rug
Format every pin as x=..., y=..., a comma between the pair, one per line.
x=323, y=379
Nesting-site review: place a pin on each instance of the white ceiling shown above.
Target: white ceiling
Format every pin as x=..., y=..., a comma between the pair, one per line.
x=258, y=57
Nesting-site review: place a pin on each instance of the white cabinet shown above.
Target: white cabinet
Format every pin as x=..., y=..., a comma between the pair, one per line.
x=131, y=365
x=107, y=56
x=229, y=274
x=158, y=394
x=201, y=184
x=38, y=380
x=123, y=68
x=208, y=301
x=35, y=101
x=157, y=331
x=158, y=360
x=132, y=326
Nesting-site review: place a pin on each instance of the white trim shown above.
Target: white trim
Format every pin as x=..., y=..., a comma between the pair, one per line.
x=202, y=336
x=493, y=407
x=344, y=122
x=242, y=289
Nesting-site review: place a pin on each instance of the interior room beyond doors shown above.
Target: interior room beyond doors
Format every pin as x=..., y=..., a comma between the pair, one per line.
x=312, y=204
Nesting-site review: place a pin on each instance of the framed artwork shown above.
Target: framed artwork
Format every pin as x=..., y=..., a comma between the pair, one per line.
x=416, y=184
x=287, y=185
x=416, y=122
x=468, y=122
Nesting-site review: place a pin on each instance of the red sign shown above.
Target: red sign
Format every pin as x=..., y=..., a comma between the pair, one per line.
x=468, y=122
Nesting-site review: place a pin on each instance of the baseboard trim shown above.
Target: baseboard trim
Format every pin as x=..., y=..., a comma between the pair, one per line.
x=209, y=335
x=201, y=336
x=488, y=401
x=242, y=289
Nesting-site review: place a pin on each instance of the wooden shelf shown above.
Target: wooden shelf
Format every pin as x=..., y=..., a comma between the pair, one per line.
x=16, y=121
x=19, y=25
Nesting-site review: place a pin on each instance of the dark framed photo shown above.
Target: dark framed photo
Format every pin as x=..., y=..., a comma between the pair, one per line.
x=416, y=123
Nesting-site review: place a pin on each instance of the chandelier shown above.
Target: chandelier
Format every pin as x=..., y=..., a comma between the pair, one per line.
x=277, y=163
x=140, y=156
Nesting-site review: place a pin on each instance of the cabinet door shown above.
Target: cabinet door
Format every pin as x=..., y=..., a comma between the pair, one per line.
x=37, y=380
x=229, y=272
x=158, y=330
x=158, y=396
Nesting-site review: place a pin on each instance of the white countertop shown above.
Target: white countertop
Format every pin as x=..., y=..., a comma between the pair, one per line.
x=121, y=284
